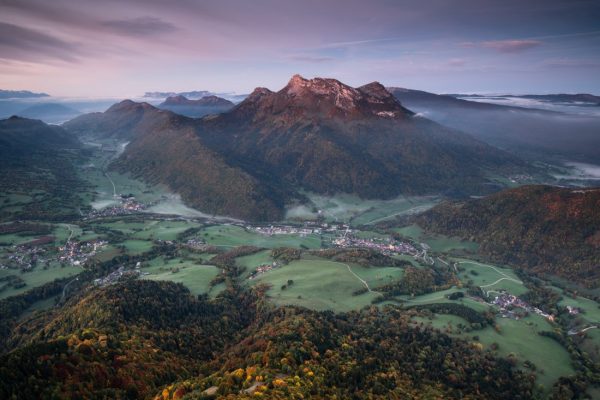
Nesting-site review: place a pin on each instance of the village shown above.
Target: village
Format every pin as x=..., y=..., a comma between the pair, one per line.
x=27, y=256
x=128, y=205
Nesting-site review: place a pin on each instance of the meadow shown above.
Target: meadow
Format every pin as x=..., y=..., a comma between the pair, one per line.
x=193, y=276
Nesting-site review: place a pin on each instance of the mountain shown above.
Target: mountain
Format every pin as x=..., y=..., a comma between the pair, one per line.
x=327, y=137
x=38, y=157
x=419, y=98
x=20, y=94
x=208, y=101
x=49, y=112
x=524, y=131
x=165, y=148
x=21, y=137
x=547, y=230
x=196, y=108
x=317, y=135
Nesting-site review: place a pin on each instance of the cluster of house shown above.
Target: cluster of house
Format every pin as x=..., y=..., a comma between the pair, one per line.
x=384, y=246
x=521, y=178
x=286, y=230
x=261, y=269
x=508, y=302
x=117, y=275
x=197, y=244
x=128, y=205
x=308, y=228
x=24, y=258
x=77, y=253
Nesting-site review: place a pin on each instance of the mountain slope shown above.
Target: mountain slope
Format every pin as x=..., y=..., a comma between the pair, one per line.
x=528, y=131
x=317, y=135
x=327, y=137
x=164, y=148
x=545, y=229
x=38, y=157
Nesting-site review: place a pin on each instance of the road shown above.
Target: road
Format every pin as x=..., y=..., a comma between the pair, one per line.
x=64, y=292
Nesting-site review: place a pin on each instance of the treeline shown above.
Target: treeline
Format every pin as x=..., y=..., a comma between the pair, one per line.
x=363, y=257
x=459, y=310
x=418, y=281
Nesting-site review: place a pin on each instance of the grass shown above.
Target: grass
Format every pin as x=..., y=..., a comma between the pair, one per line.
x=491, y=277
x=135, y=247
x=591, y=309
x=195, y=277
x=164, y=230
x=233, y=236
x=321, y=284
x=37, y=277
x=438, y=243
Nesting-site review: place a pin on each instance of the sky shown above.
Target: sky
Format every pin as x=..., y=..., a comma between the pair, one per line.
x=123, y=48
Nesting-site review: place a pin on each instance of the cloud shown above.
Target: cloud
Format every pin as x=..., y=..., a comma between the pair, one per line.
x=25, y=44
x=571, y=63
x=142, y=26
x=456, y=62
x=311, y=59
x=511, y=46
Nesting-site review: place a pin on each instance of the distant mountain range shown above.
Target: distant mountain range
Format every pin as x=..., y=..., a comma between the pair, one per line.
x=196, y=108
x=525, y=131
x=49, y=112
x=547, y=230
x=317, y=135
x=20, y=94
x=195, y=95
x=559, y=97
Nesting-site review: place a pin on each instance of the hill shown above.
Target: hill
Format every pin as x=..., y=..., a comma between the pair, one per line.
x=49, y=112
x=141, y=339
x=317, y=135
x=546, y=230
x=37, y=157
x=164, y=148
x=196, y=108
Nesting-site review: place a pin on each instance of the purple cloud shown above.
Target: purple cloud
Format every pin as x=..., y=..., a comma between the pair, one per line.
x=142, y=26
x=511, y=46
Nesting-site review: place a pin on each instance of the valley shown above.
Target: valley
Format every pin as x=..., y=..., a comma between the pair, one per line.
x=339, y=254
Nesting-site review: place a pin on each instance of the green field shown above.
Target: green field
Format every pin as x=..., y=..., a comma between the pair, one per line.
x=325, y=285
x=37, y=277
x=590, y=309
x=136, y=247
x=195, y=277
x=437, y=243
x=233, y=236
x=491, y=278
